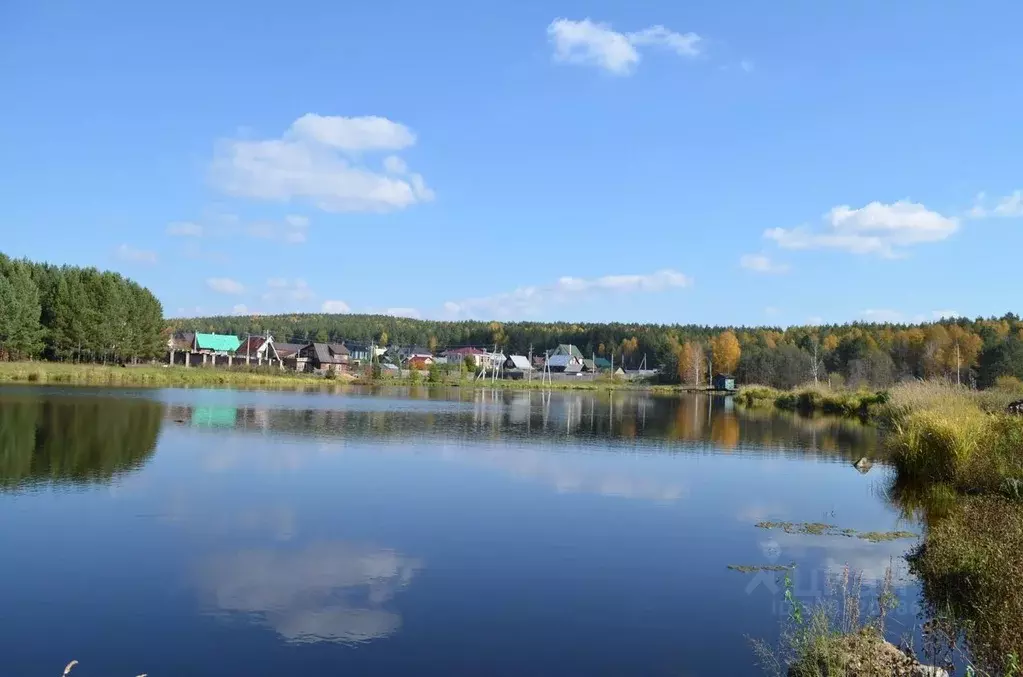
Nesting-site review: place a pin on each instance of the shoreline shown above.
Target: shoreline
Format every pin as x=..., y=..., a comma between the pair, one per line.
x=156, y=376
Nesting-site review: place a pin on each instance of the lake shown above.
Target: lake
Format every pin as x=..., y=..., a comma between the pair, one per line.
x=218, y=532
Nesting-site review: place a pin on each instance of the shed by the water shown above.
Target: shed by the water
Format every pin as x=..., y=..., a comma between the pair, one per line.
x=724, y=382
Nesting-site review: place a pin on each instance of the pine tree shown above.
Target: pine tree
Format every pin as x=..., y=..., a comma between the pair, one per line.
x=8, y=308
x=25, y=335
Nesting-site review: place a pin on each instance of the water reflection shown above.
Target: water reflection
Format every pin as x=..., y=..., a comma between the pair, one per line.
x=623, y=419
x=74, y=440
x=325, y=592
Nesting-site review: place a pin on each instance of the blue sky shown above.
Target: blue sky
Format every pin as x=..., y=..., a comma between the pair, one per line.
x=743, y=163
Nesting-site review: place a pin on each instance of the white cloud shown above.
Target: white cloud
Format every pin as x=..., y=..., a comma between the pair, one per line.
x=815, y=321
x=881, y=229
x=1010, y=206
x=292, y=229
x=283, y=289
x=746, y=65
x=334, y=307
x=945, y=314
x=882, y=315
x=759, y=263
x=240, y=309
x=130, y=254
x=319, y=160
x=395, y=165
x=590, y=43
x=771, y=311
x=683, y=44
x=225, y=285
x=527, y=300
x=185, y=229
x=363, y=133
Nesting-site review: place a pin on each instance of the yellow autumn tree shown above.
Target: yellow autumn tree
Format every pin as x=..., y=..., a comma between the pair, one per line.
x=690, y=363
x=725, y=352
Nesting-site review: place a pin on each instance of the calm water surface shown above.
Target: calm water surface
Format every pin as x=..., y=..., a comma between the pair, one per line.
x=192, y=532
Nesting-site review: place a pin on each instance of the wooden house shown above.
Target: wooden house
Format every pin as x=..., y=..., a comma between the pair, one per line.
x=322, y=356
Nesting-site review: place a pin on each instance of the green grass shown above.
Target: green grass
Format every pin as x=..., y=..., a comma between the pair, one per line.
x=269, y=377
x=91, y=374
x=811, y=399
x=754, y=568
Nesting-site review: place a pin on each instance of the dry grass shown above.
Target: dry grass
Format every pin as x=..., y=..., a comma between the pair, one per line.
x=971, y=566
x=942, y=434
x=834, y=638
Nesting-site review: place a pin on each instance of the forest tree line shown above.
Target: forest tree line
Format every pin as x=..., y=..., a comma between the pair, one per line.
x=80, y=314
x=972, y=352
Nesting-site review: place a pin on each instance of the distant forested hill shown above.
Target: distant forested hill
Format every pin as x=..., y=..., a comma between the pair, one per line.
x=972, y=351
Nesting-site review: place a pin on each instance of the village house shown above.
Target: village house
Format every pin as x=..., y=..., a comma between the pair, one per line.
x=323, y=356
x=566, y=359
x=419, y=362
x=517, y=366
x=358, y=352
x=258, y=350
x=289, y=354
x=458, y=355
x=197, y=349
x=179, y=348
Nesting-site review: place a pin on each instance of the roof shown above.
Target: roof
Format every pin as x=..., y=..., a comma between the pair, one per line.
x=602, y=363
x=559, y=361
x=182, y=340
x=520, y=362
x=220, y=343
x=420, y=359
x=289, y=349
x=251, y=345
x=324, y=355
x=338, y=348
x=573, y=368
x=589, y=364
x=568, y=349
x=464, y=351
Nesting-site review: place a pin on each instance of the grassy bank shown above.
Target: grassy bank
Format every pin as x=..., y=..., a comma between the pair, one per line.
x=812, y=399
x=943, y=435
x=266, y=377
x=101, y=375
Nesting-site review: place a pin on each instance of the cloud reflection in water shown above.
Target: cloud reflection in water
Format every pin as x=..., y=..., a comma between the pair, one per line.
x=327, y=592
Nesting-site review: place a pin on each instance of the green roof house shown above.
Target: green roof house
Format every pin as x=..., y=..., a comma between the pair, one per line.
x=216, y=343
x=568, y=349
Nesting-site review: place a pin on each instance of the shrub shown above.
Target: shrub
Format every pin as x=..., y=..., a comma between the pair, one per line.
x=935, y=445
x=1009, y=384
x=970, y=566
x=756, y=395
